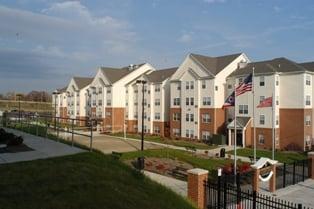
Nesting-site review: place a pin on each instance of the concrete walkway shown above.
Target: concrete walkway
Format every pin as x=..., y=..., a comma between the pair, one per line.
x=180, y=187
x=42, y=148
x=302, y=192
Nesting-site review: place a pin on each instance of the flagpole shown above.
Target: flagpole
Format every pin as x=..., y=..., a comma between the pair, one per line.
x=273, y=133
x=235, y=134
x=254, y=129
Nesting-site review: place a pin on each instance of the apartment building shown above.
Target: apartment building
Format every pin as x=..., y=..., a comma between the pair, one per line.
x=61, y=100
x=291, y=87
x=107, y=93
x=76, y=98
x=197, y=92
x=156, y=103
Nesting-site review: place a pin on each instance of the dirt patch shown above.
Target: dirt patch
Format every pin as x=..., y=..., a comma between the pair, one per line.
x=165, y=166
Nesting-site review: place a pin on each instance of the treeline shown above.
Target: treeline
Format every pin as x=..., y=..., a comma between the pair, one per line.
x=35, y=96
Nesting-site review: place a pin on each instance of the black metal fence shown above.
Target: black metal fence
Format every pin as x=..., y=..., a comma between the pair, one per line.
x=50, y=127
x=222, y=195
x=289, y=174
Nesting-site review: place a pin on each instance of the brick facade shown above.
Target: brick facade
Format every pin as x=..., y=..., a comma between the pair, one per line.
x=174, y=124
x=131, y=126
x=217, y=123
x=114, y=119
x=196, y=188
x=163, y=127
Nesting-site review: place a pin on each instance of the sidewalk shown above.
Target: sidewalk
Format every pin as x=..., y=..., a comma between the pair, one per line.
x=180, y=187
x=42, y=148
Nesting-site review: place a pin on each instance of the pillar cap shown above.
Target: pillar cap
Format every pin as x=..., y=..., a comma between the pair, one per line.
x=310, y=153
x=197, y=171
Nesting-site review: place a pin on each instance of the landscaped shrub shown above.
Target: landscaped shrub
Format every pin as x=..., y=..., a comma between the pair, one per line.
x=15, y=141
x=9, y=138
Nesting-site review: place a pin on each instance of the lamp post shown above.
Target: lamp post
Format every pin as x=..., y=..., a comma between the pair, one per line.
x=55, y=93
x=19, y=99
x=141, y=159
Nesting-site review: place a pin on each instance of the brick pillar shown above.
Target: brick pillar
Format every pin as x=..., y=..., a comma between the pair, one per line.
x=272, y=181
x=311, y=165
x=256, y=180
x=196, y=188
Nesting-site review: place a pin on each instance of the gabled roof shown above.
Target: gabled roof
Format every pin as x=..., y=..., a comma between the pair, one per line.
x=82, y=82
x=279, y=65
x=215, y=64
x=241, y=122
x=115, y=74
x=158, y=76
x=308, y=65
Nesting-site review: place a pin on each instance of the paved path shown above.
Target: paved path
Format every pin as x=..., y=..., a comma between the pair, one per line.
x=180, y=187
x=43, y=148
x=302, y=192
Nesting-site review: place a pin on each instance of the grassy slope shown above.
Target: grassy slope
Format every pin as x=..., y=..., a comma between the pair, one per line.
x=284, y=157
x=180, y=143
x=87, y=180
x=209, y=164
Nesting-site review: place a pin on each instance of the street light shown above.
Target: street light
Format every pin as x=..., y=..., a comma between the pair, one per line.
x=141, y=159
x=19, y=98
x=55, y=93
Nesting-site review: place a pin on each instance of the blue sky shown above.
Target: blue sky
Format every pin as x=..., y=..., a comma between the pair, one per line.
x=43, y=43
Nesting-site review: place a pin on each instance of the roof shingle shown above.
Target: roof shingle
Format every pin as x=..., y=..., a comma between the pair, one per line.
x=115, y=74
x=82, y=82
x=161, y=75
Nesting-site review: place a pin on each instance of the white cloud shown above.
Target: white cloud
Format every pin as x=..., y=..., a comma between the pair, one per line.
x=214, y=1
x=185, y=38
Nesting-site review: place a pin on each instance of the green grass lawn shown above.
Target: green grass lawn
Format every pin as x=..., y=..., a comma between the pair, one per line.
x=208, y=164
x=87, y=180
x=281, y=156
x=179, y=143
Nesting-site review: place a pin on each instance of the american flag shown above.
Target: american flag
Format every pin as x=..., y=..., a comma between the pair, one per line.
x=245, y=86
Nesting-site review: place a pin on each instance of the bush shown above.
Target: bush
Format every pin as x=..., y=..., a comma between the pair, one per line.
x=10, y=139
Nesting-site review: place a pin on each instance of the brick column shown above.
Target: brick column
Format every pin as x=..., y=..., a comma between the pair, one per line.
x=256, y=180
x=196, y=188
x=272, y=181
x=311, y=165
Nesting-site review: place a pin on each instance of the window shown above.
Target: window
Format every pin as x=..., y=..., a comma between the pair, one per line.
x=243, y=109
x=277, y=81
x=262, y=81
x=308, y=120
x=240, y=80
x=187, y=117
x=261, y=139
x=191, y=84
x=308, y=100
x=136, y=115
x=109, y=102
x=94, y=102
x=308, y=140
x=277, y=100
x=135, y=91
x=78, y=112
x=187, y=85
x=261, y=98
x=100, y=90
x=145, y=115
x=157, y=88
x=157, y=116
x=109, y=91
x=191, y=117
x=191, y=133
x=145, y=129
x=145, y=88
x=187, y=133
x=203, y=84
x=176, y=131
x=145, y=102
x=192, y=101
x=108, y=113
x=206, y=101
x=176, y=101
x=126, y=102
x=135, y=103
x=262, y=119
x=156, y=129
x=205, y=135
x=100, y=102
x=229, y=86
x=157, y=102
x=277, y=120
x=206, y=118
x=176, y=116
x=308, y=80
x=187, y=101
x=126, y=91
x=216, y=88
x=178, y=86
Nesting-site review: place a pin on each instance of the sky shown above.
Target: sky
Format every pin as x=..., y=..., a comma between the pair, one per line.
x=43, y=43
